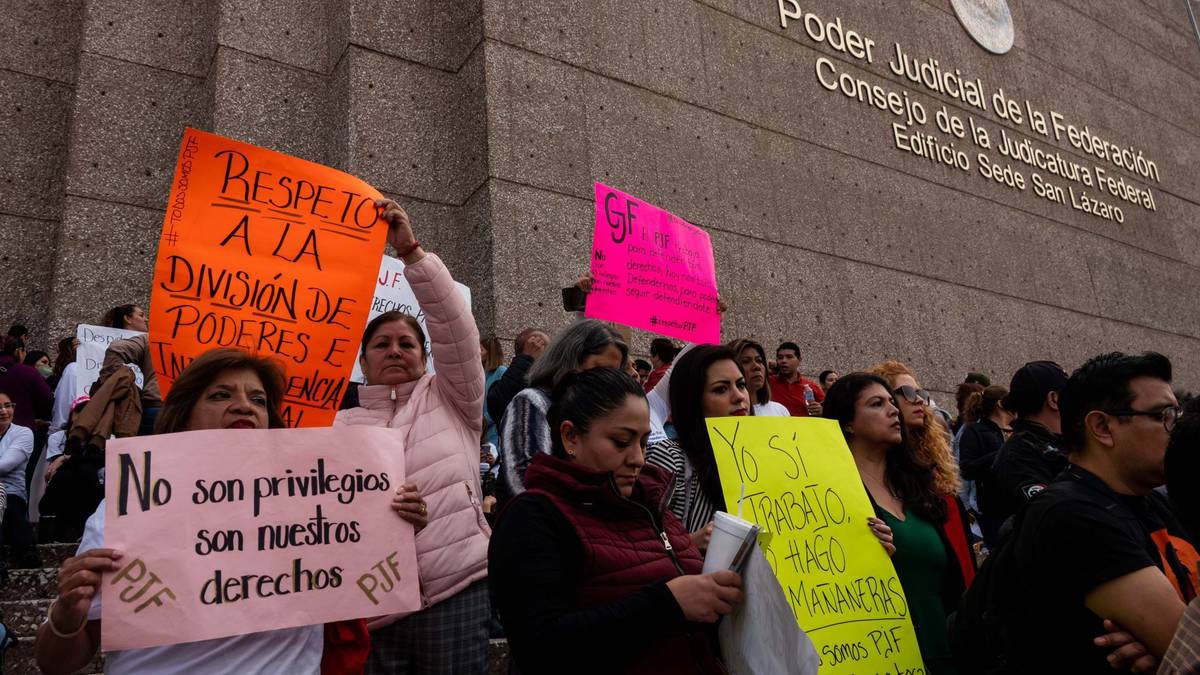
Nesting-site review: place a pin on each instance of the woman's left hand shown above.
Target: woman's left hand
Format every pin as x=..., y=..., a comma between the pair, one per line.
x=409, y=505
x=1127, y=652
x=884, y=534
x=400, y=233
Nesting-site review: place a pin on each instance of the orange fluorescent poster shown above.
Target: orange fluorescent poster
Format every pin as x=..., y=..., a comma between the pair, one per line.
x=271, y=254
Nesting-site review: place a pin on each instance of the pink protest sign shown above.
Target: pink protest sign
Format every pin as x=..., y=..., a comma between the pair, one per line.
x=652, y=270
x=235, y=531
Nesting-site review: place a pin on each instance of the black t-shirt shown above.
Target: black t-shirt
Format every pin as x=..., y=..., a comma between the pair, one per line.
x=1075, y=536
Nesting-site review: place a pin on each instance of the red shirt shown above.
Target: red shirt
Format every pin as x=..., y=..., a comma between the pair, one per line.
x=656, y=375
x=791, y=394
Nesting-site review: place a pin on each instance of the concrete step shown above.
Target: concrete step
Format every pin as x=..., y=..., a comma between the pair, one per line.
x=53, y=555
x=24, y=616
x=19, y=660
x=30, y=584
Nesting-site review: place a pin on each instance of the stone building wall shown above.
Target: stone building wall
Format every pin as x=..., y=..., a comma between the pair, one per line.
x=491, y=118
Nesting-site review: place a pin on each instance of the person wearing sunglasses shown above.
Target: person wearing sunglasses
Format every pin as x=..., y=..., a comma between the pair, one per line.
x=1100, y=542
x=926, y=433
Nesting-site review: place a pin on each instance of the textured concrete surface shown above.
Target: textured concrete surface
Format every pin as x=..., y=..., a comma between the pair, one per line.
x=491, y=119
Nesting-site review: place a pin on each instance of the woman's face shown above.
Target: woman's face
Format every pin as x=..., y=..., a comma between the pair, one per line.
x=756, y=368
x=43, y=362
x=913, y=411
x=615, y=442
x=137, y=320
x=7, y=407
x=235, y=399
x=725, y=391
x=876, y=418
x=393, y=355
x=610, y=357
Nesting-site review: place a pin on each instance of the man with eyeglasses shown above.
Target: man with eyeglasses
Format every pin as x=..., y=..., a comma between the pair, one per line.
x=1100, y=542
x=1032, y=456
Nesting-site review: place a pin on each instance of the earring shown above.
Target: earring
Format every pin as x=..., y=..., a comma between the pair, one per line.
x=849, y=431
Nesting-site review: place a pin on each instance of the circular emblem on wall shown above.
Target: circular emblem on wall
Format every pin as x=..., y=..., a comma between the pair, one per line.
x=988, y=21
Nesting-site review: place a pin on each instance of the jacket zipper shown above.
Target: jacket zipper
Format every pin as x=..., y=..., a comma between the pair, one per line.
x=662, y=534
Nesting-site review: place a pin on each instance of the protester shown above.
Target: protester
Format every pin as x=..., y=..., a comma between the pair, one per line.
x=21, y=333
x=643, y=368
x=524, y=432
x=826, y=379
x=753, y=359
x=24, y=386
x=529, y=345
x=802, y=397
x=961, y=395
x=928, y=525
x=1100, y=542
x=16, y=446
x=926, y=434
x=492, y=354
x=135, y=351
x=978, y=443
x=66, y=498
x=662, y=354
x=39, y=361
x=707, y=383
x=1032, y=455
x=1182, y=469
x=439, y=416
x=126, y=317
x=590, y=571
x=63, y=382
x=221, y=389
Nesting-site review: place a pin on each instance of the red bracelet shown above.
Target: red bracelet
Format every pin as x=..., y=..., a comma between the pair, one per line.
x=415, y=245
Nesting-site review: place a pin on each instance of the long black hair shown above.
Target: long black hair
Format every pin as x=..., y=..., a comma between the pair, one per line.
x=688, y=378
x=585, y=396
x=912, y=480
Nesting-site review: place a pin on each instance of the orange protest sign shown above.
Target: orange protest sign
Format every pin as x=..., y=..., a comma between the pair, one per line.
x=271, y=254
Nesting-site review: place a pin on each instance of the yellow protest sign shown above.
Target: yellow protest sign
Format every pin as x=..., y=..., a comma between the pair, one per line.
x=803, y=489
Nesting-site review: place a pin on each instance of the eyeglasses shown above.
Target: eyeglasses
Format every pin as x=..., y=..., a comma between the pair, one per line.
x=1168, y=415
x=8, y=406
x=912, y=394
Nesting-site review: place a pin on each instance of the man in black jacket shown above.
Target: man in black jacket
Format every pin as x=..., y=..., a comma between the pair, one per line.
x=1033, y=455
x=528, y=346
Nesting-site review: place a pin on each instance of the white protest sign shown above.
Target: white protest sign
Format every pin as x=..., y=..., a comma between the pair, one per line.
x=93, y=341
x=392, y=293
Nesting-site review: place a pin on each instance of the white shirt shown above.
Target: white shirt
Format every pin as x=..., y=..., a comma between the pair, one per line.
x=15, y=449
x=770, y=409
x=64, y=395
x=290, y=651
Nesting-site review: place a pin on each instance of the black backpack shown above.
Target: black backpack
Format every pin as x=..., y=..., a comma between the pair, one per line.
x=981, y=640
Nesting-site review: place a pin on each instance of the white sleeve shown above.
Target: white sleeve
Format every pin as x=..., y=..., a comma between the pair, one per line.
x=93, y=537
x=64, y=394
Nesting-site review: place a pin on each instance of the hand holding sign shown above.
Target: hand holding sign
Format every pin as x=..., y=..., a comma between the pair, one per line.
x=400, y=233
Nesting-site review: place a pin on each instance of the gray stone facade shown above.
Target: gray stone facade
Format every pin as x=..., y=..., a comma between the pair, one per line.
x=490, y=119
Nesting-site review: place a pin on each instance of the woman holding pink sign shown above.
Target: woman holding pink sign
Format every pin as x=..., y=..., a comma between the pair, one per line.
x=439, y=415
x=221, y=389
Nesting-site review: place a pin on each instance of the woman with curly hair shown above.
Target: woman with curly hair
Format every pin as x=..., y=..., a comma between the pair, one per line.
x=927, y=436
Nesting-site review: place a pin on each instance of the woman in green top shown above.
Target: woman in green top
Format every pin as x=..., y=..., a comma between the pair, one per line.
x=931, y=554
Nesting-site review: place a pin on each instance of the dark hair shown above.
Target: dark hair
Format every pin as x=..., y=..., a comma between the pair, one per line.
x=824, y=374
x=642, y=364
x=763, y=395
x=116, y=316
x=663, y=349
x=66, y=356
x=1182, y=466
x=32, y=357
x=912, y=480
x=200, y=373
x=963, y=395
x=585, y=396
x=18, y=331
x=9, y=345
x=1103, y=384
x=522, y=338
x=982, y=404
x=495, y=353
x=387, y=317
x=687, y=409
x=978, y=378
x=788, y=345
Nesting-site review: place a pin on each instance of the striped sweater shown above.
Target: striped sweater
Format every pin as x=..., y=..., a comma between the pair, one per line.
x=524, y=433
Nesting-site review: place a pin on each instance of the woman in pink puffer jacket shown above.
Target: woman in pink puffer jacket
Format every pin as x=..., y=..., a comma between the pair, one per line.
x=441, y=418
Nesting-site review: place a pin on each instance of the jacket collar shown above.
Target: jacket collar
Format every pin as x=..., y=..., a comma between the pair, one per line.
x=385, y=396
x=1037, y=430
x=570, y=481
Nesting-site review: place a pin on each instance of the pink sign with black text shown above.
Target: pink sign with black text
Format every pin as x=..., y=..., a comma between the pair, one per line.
x=652, y=270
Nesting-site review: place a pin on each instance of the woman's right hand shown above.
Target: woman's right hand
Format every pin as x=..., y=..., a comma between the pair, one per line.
x=707, y=597
x=55, y=464
x=884, y=534
x=78, y=580
x=701, y=536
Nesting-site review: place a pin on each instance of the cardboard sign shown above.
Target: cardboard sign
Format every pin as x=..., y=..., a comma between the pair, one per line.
x=392, y=293
x=235, y=531
x=89, y=358
x=264, y=252
x=803, y=488
x=652, y=270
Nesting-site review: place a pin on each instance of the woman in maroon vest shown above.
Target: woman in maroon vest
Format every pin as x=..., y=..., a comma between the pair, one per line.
x=589, y=569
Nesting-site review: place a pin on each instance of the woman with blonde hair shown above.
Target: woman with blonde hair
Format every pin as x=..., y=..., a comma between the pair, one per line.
x=926, y=434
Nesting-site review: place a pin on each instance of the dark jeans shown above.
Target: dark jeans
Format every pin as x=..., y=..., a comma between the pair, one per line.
x=71, y=498
x=17, y=535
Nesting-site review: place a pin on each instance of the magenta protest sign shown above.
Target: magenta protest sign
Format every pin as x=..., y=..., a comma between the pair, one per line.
x=235, y=531
x=652, y=270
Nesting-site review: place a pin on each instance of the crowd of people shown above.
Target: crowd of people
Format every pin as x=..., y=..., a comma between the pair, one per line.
x=580, y=532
